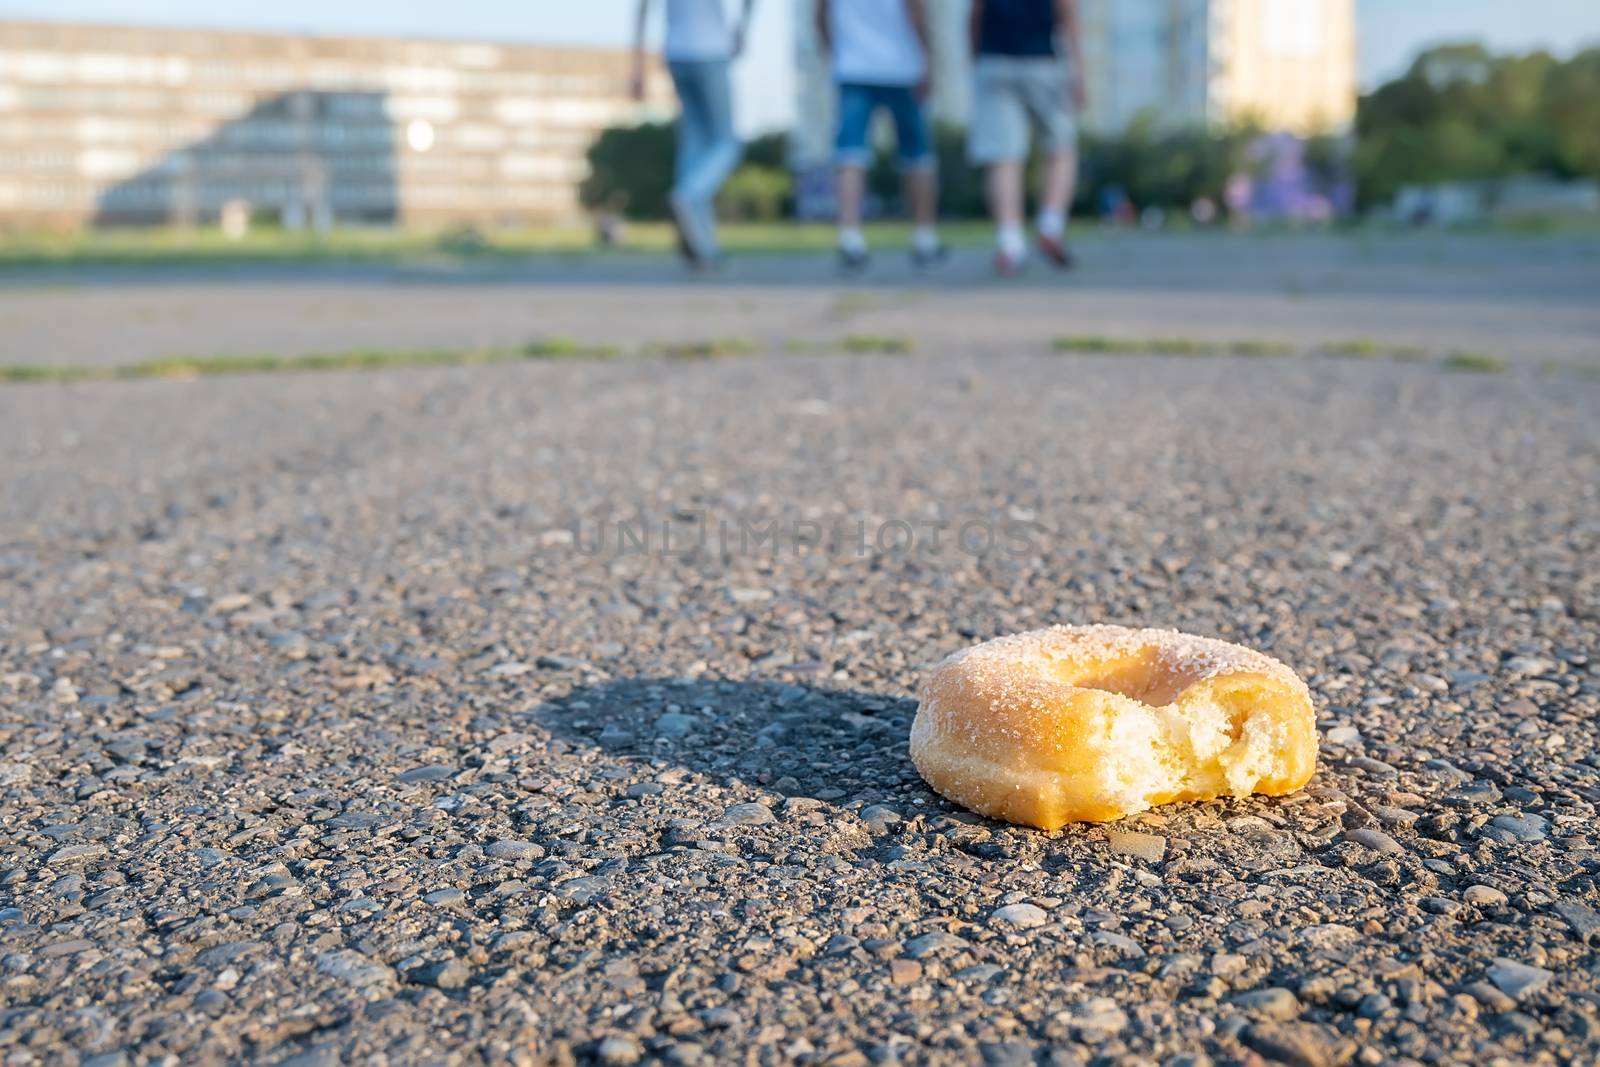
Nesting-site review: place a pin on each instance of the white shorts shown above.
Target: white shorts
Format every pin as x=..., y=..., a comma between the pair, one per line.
x=1009, y=94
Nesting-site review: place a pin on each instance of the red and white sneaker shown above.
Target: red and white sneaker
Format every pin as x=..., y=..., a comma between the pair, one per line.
x=1007, y=265
x=1055, y=249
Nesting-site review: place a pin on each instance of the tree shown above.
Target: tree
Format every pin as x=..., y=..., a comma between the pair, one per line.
x=631, y=169
x=1462, y=113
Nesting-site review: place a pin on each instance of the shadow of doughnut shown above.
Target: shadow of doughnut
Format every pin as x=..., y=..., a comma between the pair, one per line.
x=797, y=740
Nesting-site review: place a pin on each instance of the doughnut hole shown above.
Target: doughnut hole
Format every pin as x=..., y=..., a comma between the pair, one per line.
x=1140, y=676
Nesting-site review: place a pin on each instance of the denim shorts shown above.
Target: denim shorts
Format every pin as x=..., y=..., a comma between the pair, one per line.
x=858, y=103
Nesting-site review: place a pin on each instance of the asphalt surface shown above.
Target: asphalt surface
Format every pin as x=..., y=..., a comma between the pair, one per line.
x=1525, y=298
x=343, y=722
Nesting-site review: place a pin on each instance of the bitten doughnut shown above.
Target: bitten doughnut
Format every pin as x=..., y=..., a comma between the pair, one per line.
x=1091, y=723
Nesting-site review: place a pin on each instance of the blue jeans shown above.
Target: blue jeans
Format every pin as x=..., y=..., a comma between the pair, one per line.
x=708, y=149
x=856, y=106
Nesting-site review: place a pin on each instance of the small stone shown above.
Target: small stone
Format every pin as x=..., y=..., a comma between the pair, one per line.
x=1342, y=736
x=1024, y=916
x=77, y=853
x=618, y=1051
x=1296, y=1044
x=1515, y=829
x=841, y=945
x=745, y=815
x=1152, y=848
x=615, y=736
x=1584, y=921
x=445, y=974
x=903, y=971
x=880, y=817
x=582, y=890
x=1373, y=1006
x=1274, y=1002
x=1376, y=840
x=1490, y=997
x=934, y=944
x=1473, y=795
x=353, y=968
x=445, y=896
x=511, y=848
x=1097, y=1019
x=1483, y=896
x=674, y=724
x=1517, y=980
x=639, y=790
x=1439, y=905
x=437, y=772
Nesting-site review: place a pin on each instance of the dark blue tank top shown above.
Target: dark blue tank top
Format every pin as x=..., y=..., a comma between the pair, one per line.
x=1018, y=28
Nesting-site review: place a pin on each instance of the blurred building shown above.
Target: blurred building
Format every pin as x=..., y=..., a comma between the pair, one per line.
x=1289, y=65
x=117, y=124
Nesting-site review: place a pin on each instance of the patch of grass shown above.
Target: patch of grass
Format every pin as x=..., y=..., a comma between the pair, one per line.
x=30, y=373
x=1098, y=345
x=1261, y=348
x=1476, y=362
x=864, y=343
x=716, y=348
x=1169, y=346
x=1361, y=348
x=1367, y=348
x=567, y=348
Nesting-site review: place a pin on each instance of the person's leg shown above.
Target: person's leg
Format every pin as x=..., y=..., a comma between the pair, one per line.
x=998, y=141
x=1046, y=101
x=725, y=150
x=1060, y=183
x=694, y=141
x=852, y=156
x=1004, y=186
x=919, y=172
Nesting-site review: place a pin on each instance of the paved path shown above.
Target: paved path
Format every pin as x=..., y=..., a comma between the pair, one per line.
x=1528, y=298
x=497, y=714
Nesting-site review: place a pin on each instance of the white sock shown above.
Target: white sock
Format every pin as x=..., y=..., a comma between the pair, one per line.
x=852, y=240
x=925, y=239
x=1010, y=240
x=1052, y=223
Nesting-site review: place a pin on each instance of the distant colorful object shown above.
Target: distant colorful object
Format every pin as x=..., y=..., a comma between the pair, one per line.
x=1283, y=187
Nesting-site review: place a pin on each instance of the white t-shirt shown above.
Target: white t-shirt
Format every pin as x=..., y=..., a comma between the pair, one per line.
x=874, y=43
x=698, y=30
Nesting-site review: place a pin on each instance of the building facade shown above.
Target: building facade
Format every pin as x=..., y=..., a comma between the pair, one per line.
x=115, y=124
x=1288, y=65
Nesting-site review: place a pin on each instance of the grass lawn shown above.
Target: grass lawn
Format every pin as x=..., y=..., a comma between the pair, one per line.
x=209, y=245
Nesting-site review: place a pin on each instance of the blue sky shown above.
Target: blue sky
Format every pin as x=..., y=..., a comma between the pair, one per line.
x=1391, y=30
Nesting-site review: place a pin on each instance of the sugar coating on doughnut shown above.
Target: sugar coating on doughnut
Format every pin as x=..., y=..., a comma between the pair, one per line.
x=1091, y=723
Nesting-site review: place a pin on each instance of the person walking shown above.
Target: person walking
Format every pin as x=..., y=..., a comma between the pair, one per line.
x=701, y=44
x=1018, y=78
x=880, y=59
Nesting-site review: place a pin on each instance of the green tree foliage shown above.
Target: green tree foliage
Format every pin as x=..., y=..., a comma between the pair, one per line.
x=757, y=193
x=1463, y=113
x=631, y=167
x=1169, y=169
